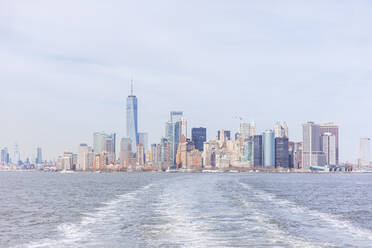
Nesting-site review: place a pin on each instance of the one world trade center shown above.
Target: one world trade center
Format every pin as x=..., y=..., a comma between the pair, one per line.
x=132, y=121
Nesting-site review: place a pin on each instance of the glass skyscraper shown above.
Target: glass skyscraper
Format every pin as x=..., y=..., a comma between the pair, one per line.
x=268, y=148
x=199, y=136
x=132, y=121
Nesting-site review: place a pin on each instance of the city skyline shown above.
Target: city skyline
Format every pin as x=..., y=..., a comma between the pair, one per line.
x=63, y=81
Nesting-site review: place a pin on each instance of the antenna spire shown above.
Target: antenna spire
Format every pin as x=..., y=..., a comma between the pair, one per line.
x=131, y=87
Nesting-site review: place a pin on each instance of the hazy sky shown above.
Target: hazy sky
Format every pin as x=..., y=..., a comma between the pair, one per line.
x=66, y=68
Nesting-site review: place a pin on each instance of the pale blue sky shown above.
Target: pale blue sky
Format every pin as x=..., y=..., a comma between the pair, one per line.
x=66, y=67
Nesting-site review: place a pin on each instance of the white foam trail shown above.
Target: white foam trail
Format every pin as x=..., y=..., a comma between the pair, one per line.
x=338, y=225
x=182, y=227
x=72, y=234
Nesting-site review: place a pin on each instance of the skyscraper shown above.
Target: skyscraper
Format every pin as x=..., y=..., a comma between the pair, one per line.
x=334, y=130
x=132, y=121
x=126, y=152
x=281, y=152
x=143, y=138
x=39, y=157
x=199, y=136
x=245, y=129
x=281, y=130
x=85, y=157
x=328, y=146
x=312, y=155
x=103, y=142
x=253, y=129
x=257, y=150
x=165, y=153
x=173, y=132
x=268, y=148
x=5, y=156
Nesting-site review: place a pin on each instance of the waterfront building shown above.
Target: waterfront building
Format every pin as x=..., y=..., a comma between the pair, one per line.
x=186, y=146
x=248, y=152
x=132, y=118
x=68, y=163
x=312, y=155
x=328, y=145
x=5, y=159
x=297, y=155
x=143, y=138
x=126, y=152
x=257, y=150
x=173, y=132
x=334, y=130
x=199, y=136
x=268, y=148
x=39, y=156
x=84, y=157
x=291, y=149
x=165, y=152
x=281, y=152
x=195, y=160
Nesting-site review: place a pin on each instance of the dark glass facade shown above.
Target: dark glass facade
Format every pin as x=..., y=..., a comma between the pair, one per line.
x=281, y=152
x=199, y=136
x=257, y=150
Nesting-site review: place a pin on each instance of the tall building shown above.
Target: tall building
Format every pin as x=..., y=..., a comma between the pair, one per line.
x=291, y=152
x=39, y=156
x=245, y=129
x=285, y=127
x=103, y=142
x=328, y=146
x=199, y=136
x=183, y=124
x=252, y=129
x=68, y=161
x=85, y=157
x=281, y=152
x=365, y=152
x=126, y=151
x=132, y=118
x=268, y=148
x=312, y=154
x=140, y=154
x=173, y=133
x=281, y=131
x=248, y=149
x=297, y=155
x=334, y=130
x=143, y=138
x=5, y=156
x=257, y=150
x=165, y=152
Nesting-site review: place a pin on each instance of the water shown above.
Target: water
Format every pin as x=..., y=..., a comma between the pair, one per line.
x=185, y=210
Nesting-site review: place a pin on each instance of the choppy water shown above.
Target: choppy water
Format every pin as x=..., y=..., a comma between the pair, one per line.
x=185, y=210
